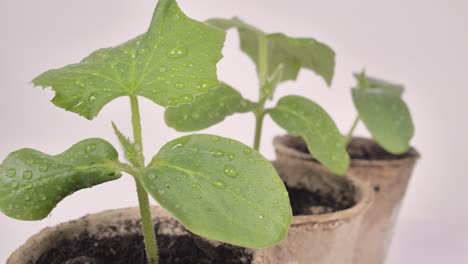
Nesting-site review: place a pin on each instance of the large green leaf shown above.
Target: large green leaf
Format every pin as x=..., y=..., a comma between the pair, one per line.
x=207, y=109
x=292, y=53
x=170, y=64
x=386, y=116
x=32, y=183
x=220, y=189
x=300, y=116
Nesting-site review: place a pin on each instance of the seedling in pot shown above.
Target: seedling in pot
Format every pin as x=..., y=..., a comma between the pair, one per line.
x=217, y=187
x=278, y=58
x=383, y=111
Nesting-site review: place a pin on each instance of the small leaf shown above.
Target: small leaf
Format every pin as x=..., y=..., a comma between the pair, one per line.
x=386, y=116
x=132, y=153
x=293, y=53
x=300, y=116
x=365, y=82
x=269, y=87
x=207, y=109
x=167, y=65
x=220, y=189
x=32, y=183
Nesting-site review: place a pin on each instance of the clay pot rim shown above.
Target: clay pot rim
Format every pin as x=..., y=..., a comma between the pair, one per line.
x=280, y=145
x=366, y=195
x=92, y=224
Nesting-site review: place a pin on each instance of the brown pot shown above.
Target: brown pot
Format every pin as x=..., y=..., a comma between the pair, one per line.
x=388, y=174
x=109, y=224
x=326, y=238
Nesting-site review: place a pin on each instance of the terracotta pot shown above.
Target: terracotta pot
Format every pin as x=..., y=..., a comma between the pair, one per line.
x=107, y=224
x=389, y=176
x=326, y=238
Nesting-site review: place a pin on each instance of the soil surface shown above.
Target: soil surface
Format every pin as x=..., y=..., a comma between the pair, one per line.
x=305, y=202
x=183, y=249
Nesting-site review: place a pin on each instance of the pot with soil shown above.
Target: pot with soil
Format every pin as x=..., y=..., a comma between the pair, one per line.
x=115, y=236
x=389, y=176
x=328, y=212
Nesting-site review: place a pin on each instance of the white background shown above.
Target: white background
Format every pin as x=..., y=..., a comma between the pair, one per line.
x=421, y=43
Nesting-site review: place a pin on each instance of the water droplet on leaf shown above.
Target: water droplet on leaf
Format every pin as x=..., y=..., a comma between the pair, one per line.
x=230, y=171
x=90, y=148
x=177, y=52
x=196, y=186
x=11, y=172
x=217, y=153
x=28, y=185
x=247, y=150
x=219, y=184
x=43, y=168
x=27, y=175
x=214, y=138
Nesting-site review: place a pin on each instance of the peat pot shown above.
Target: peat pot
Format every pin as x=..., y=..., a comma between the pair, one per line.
x=115, y=237
x=389, y=176
x=328, y=212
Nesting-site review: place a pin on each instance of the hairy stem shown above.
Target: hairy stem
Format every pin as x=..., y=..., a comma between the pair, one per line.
x=351, y=131
x=145, y=212
x=258, y=128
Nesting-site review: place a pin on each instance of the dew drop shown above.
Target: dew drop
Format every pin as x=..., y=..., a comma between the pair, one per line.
x=261, y=216
x=42, y=197
x=206, y=85
x=230, y=171
x=217, y=153
x=167, y=186
x=92, y=98
x=14, y=184
x=28, y=185
x=27, y=175
x=179, y=86
x=219, y=184
x=247, y=151
x=11, y=172
x=27, y=197
x=177, y=52
x=162, y=69
x=43, y=168
x=29, y=162
x=196, y=186
x=214, y=138
x=90, y=148
x=176, y=146
x=231, y=156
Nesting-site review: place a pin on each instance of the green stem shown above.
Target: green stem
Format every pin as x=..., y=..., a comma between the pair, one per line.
x=148, y=228
x=351, y=131
x=259, y=116
x=144, y=204
x=263, y=76
x=136, y=123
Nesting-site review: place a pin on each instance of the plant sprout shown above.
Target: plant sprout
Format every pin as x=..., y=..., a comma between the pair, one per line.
x=279, y=58
x=216, y=187
x=383, y=112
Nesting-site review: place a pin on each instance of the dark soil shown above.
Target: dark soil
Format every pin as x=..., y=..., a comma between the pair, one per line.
x=305, y=202
x=184, y=249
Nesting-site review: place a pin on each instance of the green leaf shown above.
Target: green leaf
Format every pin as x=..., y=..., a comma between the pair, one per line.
x=170, y=64
x=32, y=183
x=300, y=116
x=207, y=109
x=292, y=53
x=220, y=189
x=386, y=116
x=132, y=152
x=365, y=82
